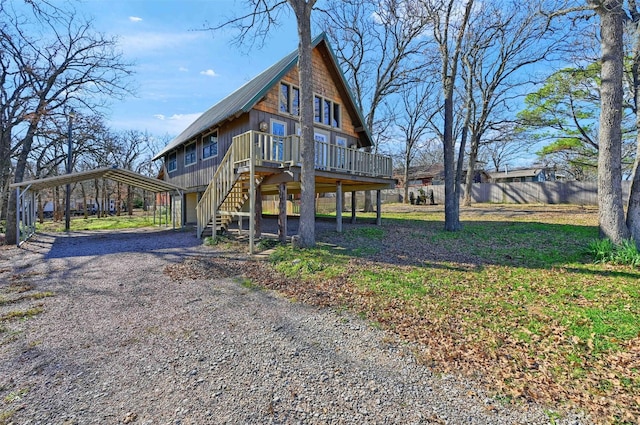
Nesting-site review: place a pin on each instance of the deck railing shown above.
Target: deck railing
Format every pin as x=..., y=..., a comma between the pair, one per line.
x=226, y=192
x=272, y=150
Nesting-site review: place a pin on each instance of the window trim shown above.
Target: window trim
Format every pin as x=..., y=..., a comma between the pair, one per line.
x=278, y=145
x=284, y=99
x=319, y=112
x=289, y=109
x=195, y=154
x=175, y=161
x=204, y=146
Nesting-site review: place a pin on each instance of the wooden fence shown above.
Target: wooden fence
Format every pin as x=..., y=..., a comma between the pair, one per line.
x=577, y=193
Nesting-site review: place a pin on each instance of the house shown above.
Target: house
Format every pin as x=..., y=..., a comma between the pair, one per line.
x=433, y=175
x=536, y=174
x=247, y=146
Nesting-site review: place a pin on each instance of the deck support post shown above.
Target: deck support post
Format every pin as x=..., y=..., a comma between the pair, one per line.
x=252, y=193
x=282, y=212
x=339, y=207
x=378, y=207
x=353, y=207
x=258, y=213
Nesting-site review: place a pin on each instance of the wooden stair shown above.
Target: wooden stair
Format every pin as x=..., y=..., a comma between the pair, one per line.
x=226, y=194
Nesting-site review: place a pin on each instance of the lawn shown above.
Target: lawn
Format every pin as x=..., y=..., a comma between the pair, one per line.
x=98, y=223
x=513, y=300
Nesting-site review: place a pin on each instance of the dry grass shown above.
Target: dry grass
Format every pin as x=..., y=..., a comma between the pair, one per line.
x=511, y=300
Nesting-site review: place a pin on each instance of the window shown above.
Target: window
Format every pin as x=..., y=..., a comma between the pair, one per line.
x=284, y=98
x=210, y=146
x=295, y=101
x=190, y=154
x=321, y=149
x=341, y=152
x=326, y=112
x=317, y=111
x=279, y=130
x=172, y=162
x=336, y=116
x=289, y=99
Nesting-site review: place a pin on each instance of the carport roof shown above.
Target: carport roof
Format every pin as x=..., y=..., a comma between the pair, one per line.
x=112, y=173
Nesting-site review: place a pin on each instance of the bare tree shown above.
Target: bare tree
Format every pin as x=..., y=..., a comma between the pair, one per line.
x=504, y=144
x=413, y=122
x=633, y=204
x=378, y=43
x=253, y=27
x=504, y=39
x=48, y=59
x=611, y=211
x=450, y=22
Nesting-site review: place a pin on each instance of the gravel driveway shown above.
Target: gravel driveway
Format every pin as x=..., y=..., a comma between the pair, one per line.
x=121, y=341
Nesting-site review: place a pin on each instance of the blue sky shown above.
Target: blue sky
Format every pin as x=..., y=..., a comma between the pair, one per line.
x=180, y=71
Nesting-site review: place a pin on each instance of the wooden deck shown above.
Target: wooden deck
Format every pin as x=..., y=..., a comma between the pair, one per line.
x=265, y=164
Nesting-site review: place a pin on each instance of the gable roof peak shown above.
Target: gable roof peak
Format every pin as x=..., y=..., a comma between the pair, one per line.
x=243, y=99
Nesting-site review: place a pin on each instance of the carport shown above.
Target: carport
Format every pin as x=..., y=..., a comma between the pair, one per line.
x=26, y=191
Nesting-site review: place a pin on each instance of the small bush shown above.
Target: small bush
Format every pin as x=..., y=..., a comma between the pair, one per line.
x=265, y=244
x=605, y=251
x=215, y=240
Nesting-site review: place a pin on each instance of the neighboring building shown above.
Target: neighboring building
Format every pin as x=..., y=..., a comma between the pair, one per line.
x=250, y=140
x=540, y=174
x=433, y=175
x=421, y=175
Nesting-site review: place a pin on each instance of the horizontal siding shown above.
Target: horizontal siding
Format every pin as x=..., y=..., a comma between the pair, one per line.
x=200, y=174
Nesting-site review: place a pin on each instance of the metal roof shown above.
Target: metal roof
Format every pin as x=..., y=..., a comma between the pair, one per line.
x=528, y=172
x=112, y=173
x=243, y=99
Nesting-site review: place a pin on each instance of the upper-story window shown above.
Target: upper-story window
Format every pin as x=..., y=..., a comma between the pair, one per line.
x=172, y=162
x=190, y=156
x=326, y=112
x=210, y=146
x=289, y=99
x=295, y=101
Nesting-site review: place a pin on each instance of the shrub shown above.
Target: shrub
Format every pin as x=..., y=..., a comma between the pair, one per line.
x=605, y=251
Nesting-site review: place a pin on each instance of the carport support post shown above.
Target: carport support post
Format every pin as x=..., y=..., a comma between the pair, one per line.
x=18, y=236
x=282, y=212
x=353, y=207
x=378, y=207
x=339, y=207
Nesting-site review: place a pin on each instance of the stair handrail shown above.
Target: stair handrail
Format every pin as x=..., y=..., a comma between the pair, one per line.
x=216, y=190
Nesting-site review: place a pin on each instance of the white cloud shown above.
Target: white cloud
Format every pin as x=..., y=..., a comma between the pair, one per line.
x=183, y=69
x=209, y=73
x=147, y=42
x=158, y=124
x=135, y=19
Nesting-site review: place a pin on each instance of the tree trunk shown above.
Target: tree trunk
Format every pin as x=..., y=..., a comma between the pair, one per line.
x=451, y=200
x=118, y=200
x=406, y=179
x=633, y=205
x=40, y=208
x=84, y=200
x=473, y=156
x=129, y=201
x=611, y=210
x=97, y=198
x=306, y=230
